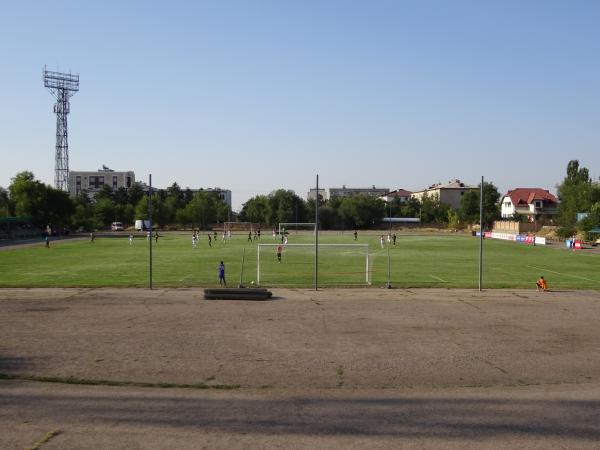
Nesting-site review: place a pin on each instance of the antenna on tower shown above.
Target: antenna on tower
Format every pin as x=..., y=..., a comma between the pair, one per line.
x=62, y=86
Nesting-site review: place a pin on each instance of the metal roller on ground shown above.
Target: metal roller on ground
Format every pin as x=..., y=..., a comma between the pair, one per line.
x=237, y=294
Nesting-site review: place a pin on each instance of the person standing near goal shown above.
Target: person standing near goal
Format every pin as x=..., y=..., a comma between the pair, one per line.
x=222, y=281
x=382, y=241
x=279, y=251
x=130, y=238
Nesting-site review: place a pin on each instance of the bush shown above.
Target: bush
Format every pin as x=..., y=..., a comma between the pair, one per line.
x=565, y=232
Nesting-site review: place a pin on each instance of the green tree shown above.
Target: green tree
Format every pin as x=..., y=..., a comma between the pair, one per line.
x=205, y=208
x=26, y=195
x=121, y=196
x=5, y=206
x=58, y=208
x=454, y=221
x=44, y=204
x=328, y=218
x=141, y=208
x=135, y=193
x=362, y=211
x=432, y=210
x=576, y=194
x=591, y=221
x=105, y=192
x=104, y=212
x=470, y=202
x=255, y=210
x=175, y=193
x=283, y=206
x=83, y=216
x=410, y=209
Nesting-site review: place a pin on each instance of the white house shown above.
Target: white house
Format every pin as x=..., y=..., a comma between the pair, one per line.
x=449, y=193
x=534, y=203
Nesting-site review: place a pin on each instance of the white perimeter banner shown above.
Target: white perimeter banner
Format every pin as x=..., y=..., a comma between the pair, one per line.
x=519, y=238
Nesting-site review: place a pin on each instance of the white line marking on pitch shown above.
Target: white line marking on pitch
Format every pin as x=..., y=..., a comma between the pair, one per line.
x=438, y=278
x=564, y=274
x=187, y=276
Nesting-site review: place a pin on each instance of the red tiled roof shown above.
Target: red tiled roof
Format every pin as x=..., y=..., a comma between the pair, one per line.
x=399, y=193
x=526, y=196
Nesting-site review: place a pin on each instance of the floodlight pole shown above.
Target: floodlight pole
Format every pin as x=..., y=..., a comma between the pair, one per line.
x=481, y=235
x=150, y=222
x=62, y=86
x=317, y=237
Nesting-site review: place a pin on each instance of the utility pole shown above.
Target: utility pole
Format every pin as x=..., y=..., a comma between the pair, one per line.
x=317, y=237
x=481, y=235
x=150, y=222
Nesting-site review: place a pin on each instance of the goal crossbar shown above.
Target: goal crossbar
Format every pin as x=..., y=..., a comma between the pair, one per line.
x=283, y=225
x=364, y=247
x=243, y=226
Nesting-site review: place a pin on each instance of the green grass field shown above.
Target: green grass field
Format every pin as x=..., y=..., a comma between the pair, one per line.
x=416, y=261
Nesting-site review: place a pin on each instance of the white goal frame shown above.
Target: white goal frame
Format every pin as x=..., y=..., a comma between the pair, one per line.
x=228, y=225
x=285, y=225
x=363, y=246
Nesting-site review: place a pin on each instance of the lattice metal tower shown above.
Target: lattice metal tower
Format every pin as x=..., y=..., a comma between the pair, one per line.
x=62, y=86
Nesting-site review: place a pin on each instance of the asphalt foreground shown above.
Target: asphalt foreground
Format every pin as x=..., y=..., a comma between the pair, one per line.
x=360, y=368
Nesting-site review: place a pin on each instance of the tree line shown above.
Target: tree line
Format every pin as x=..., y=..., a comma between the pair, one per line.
x=362, y=211
x=44, y=205
x=177, y=207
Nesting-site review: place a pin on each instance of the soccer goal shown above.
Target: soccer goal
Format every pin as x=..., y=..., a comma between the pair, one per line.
x=338, y=265
x=240, y=226
x=297, y=226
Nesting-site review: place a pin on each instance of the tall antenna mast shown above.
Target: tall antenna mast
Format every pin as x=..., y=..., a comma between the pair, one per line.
x=62, y=86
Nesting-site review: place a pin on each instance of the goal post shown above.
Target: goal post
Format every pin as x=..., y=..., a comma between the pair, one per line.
x=339, y=264
x=288, y=225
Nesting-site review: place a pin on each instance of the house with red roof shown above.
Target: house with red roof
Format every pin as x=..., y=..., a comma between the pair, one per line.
x=402, y=195
x=534, y=203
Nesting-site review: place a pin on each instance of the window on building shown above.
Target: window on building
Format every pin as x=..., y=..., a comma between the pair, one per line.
x=114, y=182
x=96, y=182
x=128, y=182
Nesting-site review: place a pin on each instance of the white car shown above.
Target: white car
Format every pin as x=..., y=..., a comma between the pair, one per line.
x=117, y=226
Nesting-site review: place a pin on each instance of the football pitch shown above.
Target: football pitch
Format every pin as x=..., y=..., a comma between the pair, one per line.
x=417, y=260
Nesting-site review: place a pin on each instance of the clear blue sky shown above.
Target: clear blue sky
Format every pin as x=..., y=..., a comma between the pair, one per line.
x=255, y=96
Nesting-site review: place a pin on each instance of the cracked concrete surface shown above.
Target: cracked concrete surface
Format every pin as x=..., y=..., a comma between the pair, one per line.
x=333, y=368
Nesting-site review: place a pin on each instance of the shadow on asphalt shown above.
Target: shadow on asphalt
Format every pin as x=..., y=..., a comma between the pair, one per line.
x=431, y=417
x=9, y=364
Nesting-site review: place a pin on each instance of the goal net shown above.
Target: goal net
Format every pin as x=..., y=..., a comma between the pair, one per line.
x=338, y=265
x=296, y=226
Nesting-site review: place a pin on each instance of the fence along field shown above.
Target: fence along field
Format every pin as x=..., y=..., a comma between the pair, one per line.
x=416, y=261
